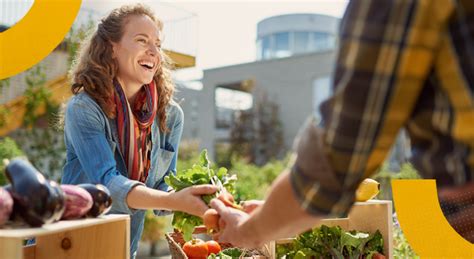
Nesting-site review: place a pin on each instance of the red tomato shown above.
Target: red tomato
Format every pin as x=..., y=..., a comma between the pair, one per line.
x=195, y=248
x=378, y=256
x=213, y=247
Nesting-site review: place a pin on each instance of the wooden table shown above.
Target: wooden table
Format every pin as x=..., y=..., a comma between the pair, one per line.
x=104, y=237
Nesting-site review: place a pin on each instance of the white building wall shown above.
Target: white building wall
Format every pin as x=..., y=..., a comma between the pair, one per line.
x=287, y=81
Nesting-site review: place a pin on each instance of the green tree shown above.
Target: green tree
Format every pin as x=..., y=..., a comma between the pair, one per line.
x=8, y=150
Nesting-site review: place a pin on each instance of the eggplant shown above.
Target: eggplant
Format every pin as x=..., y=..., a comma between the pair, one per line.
x=102, y=202
x=13, y=216
x=36, y=200
x=6, y=205
x=58, y=195
x=78, y=201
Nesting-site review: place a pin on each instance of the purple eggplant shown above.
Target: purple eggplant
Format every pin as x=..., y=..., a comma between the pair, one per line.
x=57, y=194
x=36, y=200
x=6, y=205
x=78, y=201
x=102, y=202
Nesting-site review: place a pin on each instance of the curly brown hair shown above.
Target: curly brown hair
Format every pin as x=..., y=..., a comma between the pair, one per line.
x=94, y=69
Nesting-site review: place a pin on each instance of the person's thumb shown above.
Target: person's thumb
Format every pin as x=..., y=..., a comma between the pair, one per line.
x=203, y=189
x=219, y=206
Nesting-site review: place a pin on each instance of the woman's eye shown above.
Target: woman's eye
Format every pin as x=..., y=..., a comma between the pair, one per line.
x=141, y=40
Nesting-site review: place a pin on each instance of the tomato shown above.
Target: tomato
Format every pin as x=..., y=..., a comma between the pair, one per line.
x=213, y=247
x=211, y=220
x=195, y=248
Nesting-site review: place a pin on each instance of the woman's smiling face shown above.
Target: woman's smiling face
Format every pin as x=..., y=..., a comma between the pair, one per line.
x=138, y=53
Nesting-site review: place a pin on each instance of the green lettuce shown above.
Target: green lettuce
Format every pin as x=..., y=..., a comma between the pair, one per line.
x=200, y=173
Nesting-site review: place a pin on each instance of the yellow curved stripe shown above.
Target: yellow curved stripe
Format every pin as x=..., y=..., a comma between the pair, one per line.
x=36, y=35
x=423, y=222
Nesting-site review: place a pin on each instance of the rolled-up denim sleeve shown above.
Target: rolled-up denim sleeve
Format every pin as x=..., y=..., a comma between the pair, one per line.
x=119, y=187
x=85, y=129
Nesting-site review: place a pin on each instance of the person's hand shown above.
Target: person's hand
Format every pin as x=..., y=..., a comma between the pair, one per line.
x=251, y=205
x=230, y=222
x=457, y=204
x=189, y=199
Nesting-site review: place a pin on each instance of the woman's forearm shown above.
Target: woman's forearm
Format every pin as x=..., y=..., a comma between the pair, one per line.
x=142, y=197
x=187, y=200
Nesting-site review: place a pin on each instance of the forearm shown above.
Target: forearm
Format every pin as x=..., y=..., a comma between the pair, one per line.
x=280, y=217
x=142, y=197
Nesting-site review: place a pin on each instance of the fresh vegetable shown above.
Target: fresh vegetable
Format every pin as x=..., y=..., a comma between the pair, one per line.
x=196, y=248
x=211, y=220
x=378, y=256
x=57, y=194
x=6, y=206
x=333, y=242
x=228, y=200
x=78, y=201
x=233, y=252
x=213, y=247
x=35, y=200
x=367, y=190
x=198, y=174
x=102, y=202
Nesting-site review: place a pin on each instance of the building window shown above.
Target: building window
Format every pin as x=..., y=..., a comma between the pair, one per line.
x=301, y=42
x=321, y=91
x=266, y=48
x=282, y=44
x=228, y=102
x=322, y=41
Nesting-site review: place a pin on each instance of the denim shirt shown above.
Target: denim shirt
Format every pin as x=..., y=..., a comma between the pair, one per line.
x=93, y=156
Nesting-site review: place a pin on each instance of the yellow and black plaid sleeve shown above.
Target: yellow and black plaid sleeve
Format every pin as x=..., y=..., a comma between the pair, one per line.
x=386, y=52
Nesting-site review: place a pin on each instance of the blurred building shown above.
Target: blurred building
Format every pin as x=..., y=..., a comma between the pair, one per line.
x=295, y=58
x=287, y=35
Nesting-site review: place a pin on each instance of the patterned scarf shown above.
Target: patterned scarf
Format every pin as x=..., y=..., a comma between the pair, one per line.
x=134, y=129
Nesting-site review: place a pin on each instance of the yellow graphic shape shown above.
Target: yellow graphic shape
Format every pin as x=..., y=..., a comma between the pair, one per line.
x=423, y=223
x=36, y=35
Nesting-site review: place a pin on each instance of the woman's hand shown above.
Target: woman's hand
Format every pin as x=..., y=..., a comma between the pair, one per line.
x=189, y=199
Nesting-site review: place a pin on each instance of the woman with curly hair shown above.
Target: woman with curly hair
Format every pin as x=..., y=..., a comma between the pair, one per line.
x=122, y=127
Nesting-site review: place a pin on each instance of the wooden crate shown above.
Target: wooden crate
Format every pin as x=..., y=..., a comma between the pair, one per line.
x=104, y=237
x=367, y=216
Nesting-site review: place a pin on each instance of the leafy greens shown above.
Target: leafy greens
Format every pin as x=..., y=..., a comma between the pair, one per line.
x=200, y=173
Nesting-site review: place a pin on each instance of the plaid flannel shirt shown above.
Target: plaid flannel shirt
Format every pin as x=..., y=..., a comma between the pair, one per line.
x=401, y=63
